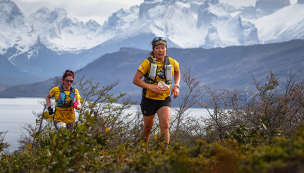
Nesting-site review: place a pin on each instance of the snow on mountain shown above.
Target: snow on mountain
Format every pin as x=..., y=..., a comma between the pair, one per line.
x=14, y=31
x=60, y=32
x=283, y=25
x=56, y=30
x=186, y=24
x=47, y=34
x=300, y=1
x=262, y=8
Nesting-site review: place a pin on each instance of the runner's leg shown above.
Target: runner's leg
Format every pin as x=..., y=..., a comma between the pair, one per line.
x=148, y=125
x=55, y=124
x=164, y=114
x=70, y=126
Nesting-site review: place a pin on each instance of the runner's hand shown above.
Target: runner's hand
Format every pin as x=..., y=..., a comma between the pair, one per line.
x=51, y=111
x=156, y=89
x=175, y=90
x=74, y=105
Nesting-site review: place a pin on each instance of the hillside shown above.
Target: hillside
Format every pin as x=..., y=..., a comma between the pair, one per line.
x=226, y=68
x=11, y=75
x=38, y=89
x=3, y=87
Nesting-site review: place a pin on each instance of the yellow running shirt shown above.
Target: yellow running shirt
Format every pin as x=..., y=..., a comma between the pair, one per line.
x=145, y=68
x=65, y=115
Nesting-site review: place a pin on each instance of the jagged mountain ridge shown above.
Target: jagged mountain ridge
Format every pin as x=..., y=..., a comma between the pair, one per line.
x=185, y=24
x=62, y=33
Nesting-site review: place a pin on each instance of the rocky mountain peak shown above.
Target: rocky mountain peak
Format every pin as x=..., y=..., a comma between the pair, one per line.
x=92, y=24
x=146, y=6
x=45, y=14
x=10, y=12
x=212, y=39
x=57, y=14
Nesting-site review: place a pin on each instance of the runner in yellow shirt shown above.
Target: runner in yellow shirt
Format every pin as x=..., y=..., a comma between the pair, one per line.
x=67, y=98
x=158, y=71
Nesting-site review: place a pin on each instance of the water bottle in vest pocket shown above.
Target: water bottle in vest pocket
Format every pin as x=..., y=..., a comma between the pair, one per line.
x=168, y=73
x=153, y=69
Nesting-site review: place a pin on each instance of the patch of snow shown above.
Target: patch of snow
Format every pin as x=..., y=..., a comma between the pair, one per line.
x=183, y=4
x=235, y=13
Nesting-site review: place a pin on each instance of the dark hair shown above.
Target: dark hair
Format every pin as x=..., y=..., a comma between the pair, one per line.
x=68, y=73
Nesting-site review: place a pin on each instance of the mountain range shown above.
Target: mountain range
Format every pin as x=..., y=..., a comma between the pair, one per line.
x=225, y=68
x=47, y=42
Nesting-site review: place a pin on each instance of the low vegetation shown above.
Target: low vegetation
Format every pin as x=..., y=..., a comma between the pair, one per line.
x=260, y=131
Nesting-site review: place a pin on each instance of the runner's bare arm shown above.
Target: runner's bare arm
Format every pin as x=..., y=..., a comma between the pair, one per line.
x=48, y=100
x=175, y=89
x=78, y=104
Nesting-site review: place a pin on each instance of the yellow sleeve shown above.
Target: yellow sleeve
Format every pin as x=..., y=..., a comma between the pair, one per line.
x=175, y=64
x=144, y=66
x=53, y=91
x=77, y=94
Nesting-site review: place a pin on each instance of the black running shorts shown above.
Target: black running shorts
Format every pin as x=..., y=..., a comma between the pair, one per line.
x=150, y=107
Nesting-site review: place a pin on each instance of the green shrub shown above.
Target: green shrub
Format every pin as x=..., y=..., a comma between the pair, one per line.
x=238, y=137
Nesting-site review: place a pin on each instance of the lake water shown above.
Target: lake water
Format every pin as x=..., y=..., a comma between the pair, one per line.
x=18, y=111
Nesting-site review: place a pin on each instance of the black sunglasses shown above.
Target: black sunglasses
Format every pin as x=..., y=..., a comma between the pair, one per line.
x=159, y=38
x=67, y=80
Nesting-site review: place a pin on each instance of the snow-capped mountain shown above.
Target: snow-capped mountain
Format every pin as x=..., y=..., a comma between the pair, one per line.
x=15, y=32
x=279, y=27
x=262, y=8
x=61, y=33
x=186, y=24
x=55, y=29
x=51, y=35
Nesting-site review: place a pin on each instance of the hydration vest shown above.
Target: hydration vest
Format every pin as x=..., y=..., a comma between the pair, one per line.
x=151, y=75
x=62, y=96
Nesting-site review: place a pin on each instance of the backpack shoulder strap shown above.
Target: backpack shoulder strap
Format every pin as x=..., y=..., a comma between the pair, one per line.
x=72, y=94
x=151, y=61
x=61, y=89
x=62, y=94
x=72, y=90
x=167, y=61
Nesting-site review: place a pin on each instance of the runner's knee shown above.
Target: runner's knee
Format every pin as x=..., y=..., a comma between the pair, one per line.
x=148, y=129
x=164, y=126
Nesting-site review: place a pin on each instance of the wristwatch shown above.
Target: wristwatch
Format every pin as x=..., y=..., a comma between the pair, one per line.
x=178, y=86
